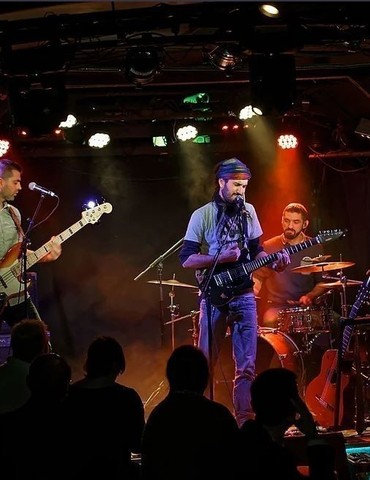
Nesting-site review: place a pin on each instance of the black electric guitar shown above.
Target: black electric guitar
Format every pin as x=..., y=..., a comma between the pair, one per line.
x=321, y=392
x=227, y=283
x=11, y=284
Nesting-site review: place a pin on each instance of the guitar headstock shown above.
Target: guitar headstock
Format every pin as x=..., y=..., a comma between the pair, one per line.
x=325, y=236
x=93, y=214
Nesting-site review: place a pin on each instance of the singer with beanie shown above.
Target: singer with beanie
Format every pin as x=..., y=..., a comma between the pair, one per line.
x=221, y=235
x=14, y=306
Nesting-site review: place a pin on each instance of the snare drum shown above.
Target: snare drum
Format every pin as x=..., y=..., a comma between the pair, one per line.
x=305, y=319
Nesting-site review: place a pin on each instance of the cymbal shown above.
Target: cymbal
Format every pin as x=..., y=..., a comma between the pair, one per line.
x=348, y=283
x=172, y=283
x=322, y=267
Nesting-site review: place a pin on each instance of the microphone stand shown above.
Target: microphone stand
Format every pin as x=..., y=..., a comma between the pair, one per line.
x=159, y=263
x=23, y=253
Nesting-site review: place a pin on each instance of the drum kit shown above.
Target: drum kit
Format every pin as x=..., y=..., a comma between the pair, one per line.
x=303, y=333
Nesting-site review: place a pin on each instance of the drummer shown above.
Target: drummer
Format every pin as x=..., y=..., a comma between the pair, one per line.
x=288, y=289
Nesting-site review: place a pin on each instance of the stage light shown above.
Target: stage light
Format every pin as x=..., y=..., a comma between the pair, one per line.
x=225, y=57
x=98, y=140
x=142, y=64
x=202, y=139
x=246, y=113
x=160, y=141
x=4, y=146
x=287, y=141
x=187, y=132
x=230, y=125
x=69, y=122
x=269, y=10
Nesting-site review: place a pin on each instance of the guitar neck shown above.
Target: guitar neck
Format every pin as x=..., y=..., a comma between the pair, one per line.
x=360, y=298
x=38, y=254
x=250, y=267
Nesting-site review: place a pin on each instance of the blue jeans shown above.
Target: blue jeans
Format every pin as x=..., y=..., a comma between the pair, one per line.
x=240, y=316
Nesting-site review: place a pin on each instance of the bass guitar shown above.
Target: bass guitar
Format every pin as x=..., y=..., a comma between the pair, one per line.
x=227, y=283
x=11, y=266
x=321, y=392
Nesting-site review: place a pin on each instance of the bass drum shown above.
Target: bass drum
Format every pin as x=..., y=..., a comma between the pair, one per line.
x=276, y=349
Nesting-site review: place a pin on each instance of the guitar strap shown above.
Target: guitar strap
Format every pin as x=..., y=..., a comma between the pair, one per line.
x=16, y=221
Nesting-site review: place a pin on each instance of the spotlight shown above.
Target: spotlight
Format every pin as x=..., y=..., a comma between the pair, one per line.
x=187, y=132
x=69, y=122
x=269, y=10
x=246, y=113
x=141, y=65
x=4, y=146
x=98, y=140
x=287, y=141
x=225, y=57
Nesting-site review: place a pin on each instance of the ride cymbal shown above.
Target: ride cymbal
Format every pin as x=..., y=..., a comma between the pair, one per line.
x=172, y=283
x=347, y=283
x=322, y=267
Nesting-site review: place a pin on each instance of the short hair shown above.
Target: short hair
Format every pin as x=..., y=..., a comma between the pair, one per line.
x=297, y=208
x=7, y=166
x=104, y=356
x=187, y=369
x=29, y=338
x=271, y=393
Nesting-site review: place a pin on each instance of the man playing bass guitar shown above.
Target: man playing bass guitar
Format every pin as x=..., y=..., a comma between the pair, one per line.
x=15, y=308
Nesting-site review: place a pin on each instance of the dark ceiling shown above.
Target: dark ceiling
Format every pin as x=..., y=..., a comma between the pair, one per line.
x=85, y=46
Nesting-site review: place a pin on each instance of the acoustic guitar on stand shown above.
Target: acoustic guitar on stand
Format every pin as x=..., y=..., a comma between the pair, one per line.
x=321, y=392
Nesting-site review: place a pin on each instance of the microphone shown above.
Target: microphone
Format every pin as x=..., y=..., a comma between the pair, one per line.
x=239, y=200
x=43, y=190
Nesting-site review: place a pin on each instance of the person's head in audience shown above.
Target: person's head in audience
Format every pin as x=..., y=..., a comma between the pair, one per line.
x=105, y=358
x=272, y=393
x=48, y=378
x=187, y=370
x=29, y=338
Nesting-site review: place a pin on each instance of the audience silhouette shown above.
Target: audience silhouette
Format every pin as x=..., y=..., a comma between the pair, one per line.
x=29, y=339
x=188, y=435
x=32, y=438
x=106, y=419
x=278, y=406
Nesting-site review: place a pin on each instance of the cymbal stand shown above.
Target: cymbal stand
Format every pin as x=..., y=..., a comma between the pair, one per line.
x=194, y=330
x=174, y=311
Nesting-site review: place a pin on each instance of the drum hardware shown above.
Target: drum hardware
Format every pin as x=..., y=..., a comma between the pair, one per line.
x=304, y=319
x=321, y=267
x=339, y=283
x=193, y=315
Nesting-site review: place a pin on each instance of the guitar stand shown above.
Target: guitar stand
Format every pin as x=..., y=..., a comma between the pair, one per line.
x=357, y=323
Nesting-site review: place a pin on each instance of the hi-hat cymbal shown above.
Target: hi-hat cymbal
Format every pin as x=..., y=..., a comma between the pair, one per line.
x=172, y=283
x=322, y=267
x=347, y=283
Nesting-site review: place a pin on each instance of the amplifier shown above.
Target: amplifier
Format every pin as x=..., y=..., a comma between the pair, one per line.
x=5, y=349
